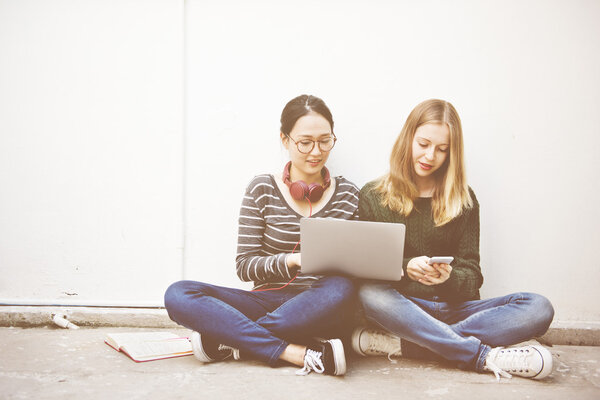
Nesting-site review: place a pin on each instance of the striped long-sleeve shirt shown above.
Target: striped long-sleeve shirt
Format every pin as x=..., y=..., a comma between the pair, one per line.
x=269, y=229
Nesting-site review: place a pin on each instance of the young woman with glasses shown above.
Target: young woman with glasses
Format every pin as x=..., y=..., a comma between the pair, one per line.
x=280, y=319
x=437, y=306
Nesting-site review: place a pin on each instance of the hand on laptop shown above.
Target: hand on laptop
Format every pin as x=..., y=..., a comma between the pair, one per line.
x=293, y=260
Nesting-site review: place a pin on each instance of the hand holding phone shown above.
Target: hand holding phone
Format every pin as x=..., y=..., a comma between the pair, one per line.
x=440, y=260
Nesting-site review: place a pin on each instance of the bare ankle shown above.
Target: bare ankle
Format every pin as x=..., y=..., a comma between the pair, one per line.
x=294, y=354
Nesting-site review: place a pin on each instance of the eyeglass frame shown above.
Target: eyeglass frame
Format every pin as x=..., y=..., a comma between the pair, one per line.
x=313, y=144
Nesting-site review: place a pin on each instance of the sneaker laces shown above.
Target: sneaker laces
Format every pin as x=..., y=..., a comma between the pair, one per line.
x=235, y=352
x=501, y=360
x=381, y=343
x=313, y=361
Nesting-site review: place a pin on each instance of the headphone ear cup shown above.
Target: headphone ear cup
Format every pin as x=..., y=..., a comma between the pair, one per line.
x=299, y=190
x=315, y=192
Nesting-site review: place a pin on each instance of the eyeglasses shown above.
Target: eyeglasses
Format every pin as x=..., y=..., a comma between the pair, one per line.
x=305, y=146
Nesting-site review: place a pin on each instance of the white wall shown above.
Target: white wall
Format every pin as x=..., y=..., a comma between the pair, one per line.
x=91, y=98
x=523, y=75
x=111, y=136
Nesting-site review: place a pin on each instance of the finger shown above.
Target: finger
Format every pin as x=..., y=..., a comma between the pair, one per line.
x=441, y=270
x=443, y=277
x=417, y=269
x=426, y=268
x=436, y=268
x=432, y=279
x=432, y=272
x=414, y=275
x=443, y=267
x=425, y=282
x=446, y=272
x=436, y=280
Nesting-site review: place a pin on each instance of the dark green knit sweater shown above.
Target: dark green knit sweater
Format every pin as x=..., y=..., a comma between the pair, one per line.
x=458, y=238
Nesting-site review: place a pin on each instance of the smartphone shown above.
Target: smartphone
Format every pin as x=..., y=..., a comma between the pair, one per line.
x=440, y=260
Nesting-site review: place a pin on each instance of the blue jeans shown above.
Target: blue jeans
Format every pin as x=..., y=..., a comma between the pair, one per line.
x=262, y=324
x=462, y=332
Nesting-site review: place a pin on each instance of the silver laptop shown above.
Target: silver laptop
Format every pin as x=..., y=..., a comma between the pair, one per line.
x=368, y=250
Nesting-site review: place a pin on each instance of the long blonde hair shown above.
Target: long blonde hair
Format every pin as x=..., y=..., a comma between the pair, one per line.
x=451, y=194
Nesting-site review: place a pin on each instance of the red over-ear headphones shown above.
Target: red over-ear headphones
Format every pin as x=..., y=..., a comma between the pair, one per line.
x=301, y=190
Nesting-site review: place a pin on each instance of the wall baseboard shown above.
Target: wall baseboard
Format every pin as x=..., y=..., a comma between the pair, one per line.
x=576, y=333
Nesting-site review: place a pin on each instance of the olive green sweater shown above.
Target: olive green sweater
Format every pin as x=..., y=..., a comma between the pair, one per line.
x=458, y=238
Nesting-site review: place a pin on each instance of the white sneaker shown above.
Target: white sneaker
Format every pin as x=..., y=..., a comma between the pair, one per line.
x=203, y=353
x=369, y=342
x=527, y=361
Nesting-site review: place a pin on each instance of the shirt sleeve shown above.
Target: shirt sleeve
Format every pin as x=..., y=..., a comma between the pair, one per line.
x=466, y=278
x=251, y=262
x=364, y=207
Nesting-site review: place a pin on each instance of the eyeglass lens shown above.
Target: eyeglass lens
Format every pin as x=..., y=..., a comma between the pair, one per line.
x=307, y=145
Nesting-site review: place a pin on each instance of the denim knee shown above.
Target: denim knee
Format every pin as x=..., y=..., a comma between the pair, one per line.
x=340, y=287
x=366, y=292
x=541, y=312
x=177, y=293
x=172, y=295
x=374, y=296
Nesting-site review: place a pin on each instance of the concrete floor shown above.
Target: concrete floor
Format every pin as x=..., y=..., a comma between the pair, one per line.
x=55, y=363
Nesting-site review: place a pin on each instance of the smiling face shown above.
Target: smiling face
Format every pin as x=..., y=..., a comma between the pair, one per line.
x=430, y=148
x=307, y=167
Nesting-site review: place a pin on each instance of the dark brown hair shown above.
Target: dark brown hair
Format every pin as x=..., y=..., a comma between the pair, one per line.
x=299, y=107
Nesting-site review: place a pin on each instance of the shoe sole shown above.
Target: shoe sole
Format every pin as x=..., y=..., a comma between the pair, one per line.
x=356, y=342
x=197, y=348
x=546, y=366
x=339, y=362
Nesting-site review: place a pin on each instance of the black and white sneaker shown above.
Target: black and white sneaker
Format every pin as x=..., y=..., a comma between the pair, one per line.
x=324, y=357
x=207, y=353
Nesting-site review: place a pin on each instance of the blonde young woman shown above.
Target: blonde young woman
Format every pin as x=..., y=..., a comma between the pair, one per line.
x=438, y=306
